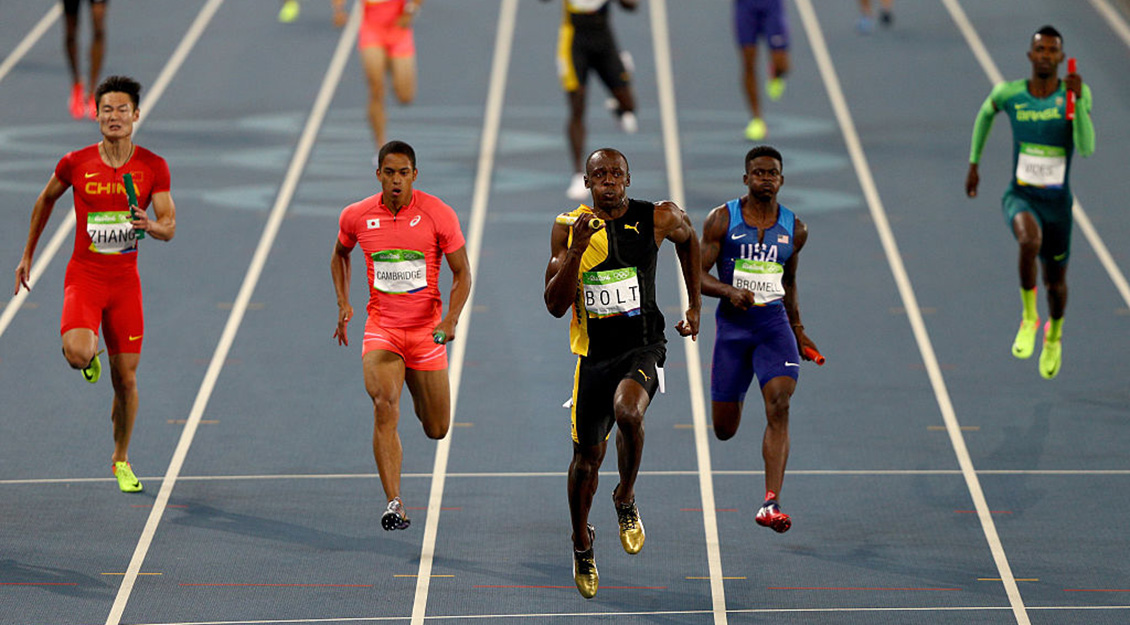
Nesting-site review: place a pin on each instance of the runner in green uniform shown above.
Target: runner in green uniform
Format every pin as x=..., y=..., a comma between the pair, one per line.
x=1037, y=204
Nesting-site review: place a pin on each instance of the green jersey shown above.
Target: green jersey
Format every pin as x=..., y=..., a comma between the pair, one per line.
x=1043, y=139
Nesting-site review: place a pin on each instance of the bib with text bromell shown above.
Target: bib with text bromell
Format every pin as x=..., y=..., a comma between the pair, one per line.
x=755, y=261
x=763, y=278
x=399, y=271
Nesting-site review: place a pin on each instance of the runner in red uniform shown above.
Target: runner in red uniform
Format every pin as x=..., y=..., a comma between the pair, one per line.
x=386, y=46
x=402, y=233
x=102, y=286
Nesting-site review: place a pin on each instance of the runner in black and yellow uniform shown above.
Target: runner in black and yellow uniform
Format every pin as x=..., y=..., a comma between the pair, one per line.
x=602, y=265
x=1037, y=204
x=585, y=43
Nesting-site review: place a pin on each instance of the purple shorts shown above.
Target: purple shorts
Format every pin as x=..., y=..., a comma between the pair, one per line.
x=759, y=342
x=761, y=18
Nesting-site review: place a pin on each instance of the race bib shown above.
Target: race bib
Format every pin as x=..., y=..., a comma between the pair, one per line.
x=399, y=271
x=763, y=278
x=1041, y=165
x=611, y=293
x=111, y=232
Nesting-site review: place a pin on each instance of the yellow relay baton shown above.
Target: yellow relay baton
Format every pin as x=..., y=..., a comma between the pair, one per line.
x=568, y=220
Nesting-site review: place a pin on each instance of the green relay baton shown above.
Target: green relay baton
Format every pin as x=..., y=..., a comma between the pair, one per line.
x=131, y=197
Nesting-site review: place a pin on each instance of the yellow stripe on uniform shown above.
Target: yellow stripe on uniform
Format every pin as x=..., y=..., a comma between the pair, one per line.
x=565, y=70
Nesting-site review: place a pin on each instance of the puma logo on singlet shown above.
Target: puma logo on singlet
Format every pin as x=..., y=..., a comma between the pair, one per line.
x=645, y=376
x=635, y=227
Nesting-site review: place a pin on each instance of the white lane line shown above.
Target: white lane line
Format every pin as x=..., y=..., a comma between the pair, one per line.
x=587, y=617
x=149, y=100
x=910, y=302
x=30, y=39
x=973, y=40
x=1114, y=19
x=496, y=97
x=664, y=76
x=258, y=260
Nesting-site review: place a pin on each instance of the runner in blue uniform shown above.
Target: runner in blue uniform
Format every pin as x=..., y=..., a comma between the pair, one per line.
x=753, y=20
x=755, y=242
x=1037, y=204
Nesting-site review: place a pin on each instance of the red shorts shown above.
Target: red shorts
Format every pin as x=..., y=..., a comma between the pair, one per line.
x=415, y=345
x=92, y=298
x=379, y=30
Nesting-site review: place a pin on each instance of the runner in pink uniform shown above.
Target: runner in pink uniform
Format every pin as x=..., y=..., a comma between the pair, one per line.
x=387, y=47
x=403, y=233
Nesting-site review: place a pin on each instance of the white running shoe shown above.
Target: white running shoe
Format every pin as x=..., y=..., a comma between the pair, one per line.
x=577, y=190
x=628, y=122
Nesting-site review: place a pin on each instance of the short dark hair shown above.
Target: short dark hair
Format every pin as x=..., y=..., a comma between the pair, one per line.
x=396, y=147
x=764, y=150
x=119, y=84
x=1048, y=31
x=610, y=152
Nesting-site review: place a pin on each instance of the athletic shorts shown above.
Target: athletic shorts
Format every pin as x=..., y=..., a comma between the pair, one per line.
x=1054, y=218
x=581, y=50
x=594, y=388
x=761, y=344
x=761, y=18
x=379, y=30
x=415, y=345
x=70, y=7
x=92, y=298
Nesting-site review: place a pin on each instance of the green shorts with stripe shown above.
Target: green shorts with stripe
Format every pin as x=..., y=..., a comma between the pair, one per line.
x=1053, y=216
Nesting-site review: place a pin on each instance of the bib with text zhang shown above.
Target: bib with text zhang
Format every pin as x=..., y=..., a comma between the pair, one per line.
x=611, y=293
x=763, y=278
x=111, y=232
x=399, y=271
x=1042, y=166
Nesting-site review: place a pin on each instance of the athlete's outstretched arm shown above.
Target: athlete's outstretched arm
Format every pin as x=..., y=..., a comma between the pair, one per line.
x=981, y=128
x=788, y=280
x=44, y=205
x=675, y=226
x=1083, y=130
x=460, y=290
x=165, y=226
x=341, y=270
x=713, y=233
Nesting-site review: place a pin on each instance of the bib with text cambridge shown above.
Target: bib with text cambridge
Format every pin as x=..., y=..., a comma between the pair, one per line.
x=399, y=271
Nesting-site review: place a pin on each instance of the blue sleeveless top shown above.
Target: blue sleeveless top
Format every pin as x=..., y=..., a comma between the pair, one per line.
x=741, y=242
